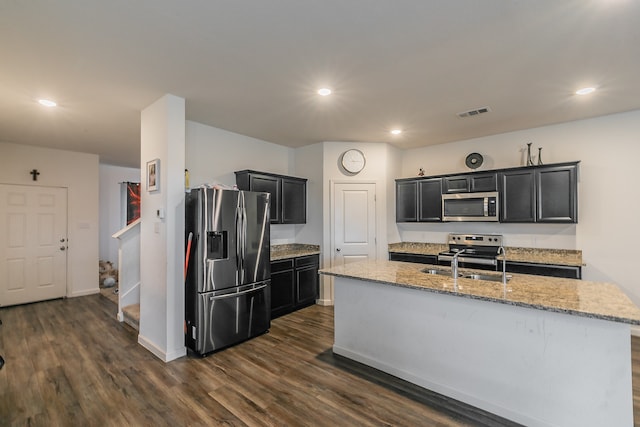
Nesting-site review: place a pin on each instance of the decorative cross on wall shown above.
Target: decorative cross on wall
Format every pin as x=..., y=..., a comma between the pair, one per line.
x=35, y=174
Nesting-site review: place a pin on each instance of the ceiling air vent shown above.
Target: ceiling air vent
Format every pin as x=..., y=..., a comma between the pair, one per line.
x=475, y=112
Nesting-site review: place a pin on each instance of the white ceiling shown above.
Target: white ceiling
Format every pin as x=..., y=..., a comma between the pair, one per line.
x=253, y=66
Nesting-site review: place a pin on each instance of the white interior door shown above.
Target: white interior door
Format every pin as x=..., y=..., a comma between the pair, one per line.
x=354, y=236
x=33, y=247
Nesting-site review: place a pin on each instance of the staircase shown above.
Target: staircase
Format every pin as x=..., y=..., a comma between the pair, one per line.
x=131, y=316
x=129, y=274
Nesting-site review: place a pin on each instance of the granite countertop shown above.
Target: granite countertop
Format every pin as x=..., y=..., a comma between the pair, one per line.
x=293, y=250
x=566, y=257
x=418, y=248
x=576, y=297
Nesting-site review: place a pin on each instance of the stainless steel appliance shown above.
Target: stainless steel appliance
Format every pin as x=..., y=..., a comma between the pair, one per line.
x=471, y=207
x=478, y=251
x=227, y=282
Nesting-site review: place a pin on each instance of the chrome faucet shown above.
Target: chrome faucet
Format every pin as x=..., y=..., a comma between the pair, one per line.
x=454, y=264
x=504, y=264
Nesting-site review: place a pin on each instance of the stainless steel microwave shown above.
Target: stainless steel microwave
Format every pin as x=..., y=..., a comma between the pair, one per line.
x=470, y=207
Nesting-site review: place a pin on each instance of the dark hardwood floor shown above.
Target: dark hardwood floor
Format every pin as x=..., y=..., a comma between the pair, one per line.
x=69, y=362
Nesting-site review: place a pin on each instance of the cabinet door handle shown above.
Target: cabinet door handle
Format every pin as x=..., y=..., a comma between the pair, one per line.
x=337, y=249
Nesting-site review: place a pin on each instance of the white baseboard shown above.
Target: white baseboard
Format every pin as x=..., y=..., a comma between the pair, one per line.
x=84, y=293
x=324, y=302
x=635, y=330
x=159, y=353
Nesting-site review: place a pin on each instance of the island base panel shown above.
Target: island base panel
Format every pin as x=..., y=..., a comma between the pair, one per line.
x=532, y=366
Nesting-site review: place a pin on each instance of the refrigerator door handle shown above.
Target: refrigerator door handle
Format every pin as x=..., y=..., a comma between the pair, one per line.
x=239, y=259
x=237, y=294
x=244, y=233
x=242, y=238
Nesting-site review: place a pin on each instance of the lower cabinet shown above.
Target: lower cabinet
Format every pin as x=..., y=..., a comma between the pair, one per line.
x=570, y=272
x=550, y=270
x=417, y=258
x=282, y=278
x=294, y=284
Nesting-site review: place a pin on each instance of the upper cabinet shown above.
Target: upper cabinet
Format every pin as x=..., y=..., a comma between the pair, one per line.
x=540, y=194
x=407, y=201
x=517, y=196
x=294, y=200
x=557, y=194
x=430, y=200
x=419, y=200
x=288, y=194
x=470, y=183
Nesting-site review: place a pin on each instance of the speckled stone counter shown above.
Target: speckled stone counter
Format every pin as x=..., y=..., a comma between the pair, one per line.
x=293, y=250
x=545, y=256
x=543, y=351
x=576, y=297
x=418, y=248
x=532, y=255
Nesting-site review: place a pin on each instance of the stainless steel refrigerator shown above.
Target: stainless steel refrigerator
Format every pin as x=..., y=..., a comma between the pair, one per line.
x=228, y=270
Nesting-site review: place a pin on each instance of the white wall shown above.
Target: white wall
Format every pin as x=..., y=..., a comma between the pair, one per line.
x=212, y=156
x=162, y=239
x=111, y=207
x=608, y=149
x=78, y=172
x=382, y=163
x=308, y=164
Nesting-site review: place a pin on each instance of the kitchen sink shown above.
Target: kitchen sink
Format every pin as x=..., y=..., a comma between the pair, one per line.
x=475, y=276
x=437, y=271
x=492, y=277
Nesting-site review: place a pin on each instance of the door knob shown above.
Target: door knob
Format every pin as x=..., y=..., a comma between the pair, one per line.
x=62, y=248
x=337, y=249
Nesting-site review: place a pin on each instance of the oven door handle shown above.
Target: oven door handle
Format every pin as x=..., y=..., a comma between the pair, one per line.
x=470, y=260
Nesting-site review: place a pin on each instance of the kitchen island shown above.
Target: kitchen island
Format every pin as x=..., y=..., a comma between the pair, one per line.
x=540, y=351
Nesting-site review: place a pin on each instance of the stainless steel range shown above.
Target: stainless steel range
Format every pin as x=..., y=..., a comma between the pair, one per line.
x=478, y=251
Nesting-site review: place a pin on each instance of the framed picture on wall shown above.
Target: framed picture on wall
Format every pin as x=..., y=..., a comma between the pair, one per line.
x=153, y=175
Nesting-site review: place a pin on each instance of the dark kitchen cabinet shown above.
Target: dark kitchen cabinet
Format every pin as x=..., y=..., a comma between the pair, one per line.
x=557, y=194
x=282, y=291
x=416, y=258
x=470, y=183
x=551, y=270
x=419, y=200
x=540, y=194
x=407, y=201
x=267, y=184
x=430, y=200
x=294, y=201
x=294, y=284
x=288, y=194
x=518, y=198
x=567, y=271
x=306, y=282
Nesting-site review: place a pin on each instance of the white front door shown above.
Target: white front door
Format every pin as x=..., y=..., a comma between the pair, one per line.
x=33, y=256
x=354, y=235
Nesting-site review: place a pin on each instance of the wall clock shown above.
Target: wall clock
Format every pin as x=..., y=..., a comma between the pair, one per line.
x=353, y=161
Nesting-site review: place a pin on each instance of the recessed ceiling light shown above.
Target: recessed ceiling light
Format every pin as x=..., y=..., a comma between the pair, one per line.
x=47, y=102
x=324, y=91
x=396, y=131
x=585, y=91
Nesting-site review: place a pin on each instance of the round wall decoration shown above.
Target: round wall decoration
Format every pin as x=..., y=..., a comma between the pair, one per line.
x=474, y=160
x=353, y=161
